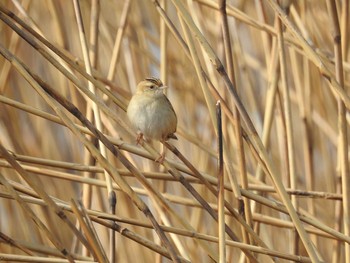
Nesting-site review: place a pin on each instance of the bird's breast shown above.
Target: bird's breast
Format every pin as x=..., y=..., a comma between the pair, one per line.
x=153, y=116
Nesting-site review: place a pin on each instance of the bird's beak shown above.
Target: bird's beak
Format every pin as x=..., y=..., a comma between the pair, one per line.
x=163, y=87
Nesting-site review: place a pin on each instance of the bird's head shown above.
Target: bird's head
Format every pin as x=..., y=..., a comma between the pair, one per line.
x=150, y=87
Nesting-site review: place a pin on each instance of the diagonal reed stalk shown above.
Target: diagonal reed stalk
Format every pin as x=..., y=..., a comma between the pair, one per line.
x=280, y=70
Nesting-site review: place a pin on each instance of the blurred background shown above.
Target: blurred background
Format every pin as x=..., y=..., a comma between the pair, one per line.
x=288, y=78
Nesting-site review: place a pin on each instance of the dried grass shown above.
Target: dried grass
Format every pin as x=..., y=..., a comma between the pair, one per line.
x=68, y=153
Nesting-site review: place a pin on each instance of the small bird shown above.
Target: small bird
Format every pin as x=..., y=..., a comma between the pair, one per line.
x=151, y=113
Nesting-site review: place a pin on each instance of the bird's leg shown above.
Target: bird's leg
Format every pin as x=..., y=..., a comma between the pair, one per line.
x=161, y=158
x=139, y=138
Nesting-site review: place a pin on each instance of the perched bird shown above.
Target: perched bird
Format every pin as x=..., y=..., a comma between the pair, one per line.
x=151, y=113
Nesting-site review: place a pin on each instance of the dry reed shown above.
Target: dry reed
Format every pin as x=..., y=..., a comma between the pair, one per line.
x=261, y=176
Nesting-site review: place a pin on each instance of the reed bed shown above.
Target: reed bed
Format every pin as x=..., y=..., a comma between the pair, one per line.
x=259, y=172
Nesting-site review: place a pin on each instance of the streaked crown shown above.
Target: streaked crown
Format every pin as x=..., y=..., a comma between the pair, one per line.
x=150, y=84
x=155, y=81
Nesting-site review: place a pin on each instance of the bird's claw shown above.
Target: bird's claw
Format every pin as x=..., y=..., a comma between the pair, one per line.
x=160, y=159
x=139, y=139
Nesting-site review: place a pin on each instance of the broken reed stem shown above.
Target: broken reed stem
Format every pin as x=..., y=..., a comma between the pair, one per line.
x=221, y=188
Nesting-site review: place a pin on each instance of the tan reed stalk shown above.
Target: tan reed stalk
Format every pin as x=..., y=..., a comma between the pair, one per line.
x=49, y=251
x=268, y=220
x=228, y=242
x=273, y=77
x=93, y=54
x=239, y=245
x=233, y=180
x=210, y=105
x=73, y=78
x=345, y=43
x=250, y=126
x=14, y=40
x=204, y=180
x=12, y=242
x=89, y=236
x=182, y=43
x=164, y=77
x=245, y=206
x=112, y=171
x=201, y=200
x=133, y=236
x=20, y=258
x=288, y=125
x=125, y=161
x=162, y=176
x=342, y=126
x=312, y=55
x=221, y=189
x=182, y=232
x=97, y=119
x=123, y=231
x=74, y=111
x=303, y=101
x=212, y=115
x=30, y=213
x=118, y=40
x=89, y=231
x=307, y=219
x=63, y=69
x=96, y=182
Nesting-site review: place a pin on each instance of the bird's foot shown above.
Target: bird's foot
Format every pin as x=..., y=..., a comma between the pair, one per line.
x=139, y=138
x=161, y=158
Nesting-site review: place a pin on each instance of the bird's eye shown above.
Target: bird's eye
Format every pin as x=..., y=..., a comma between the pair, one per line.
x=152, y=87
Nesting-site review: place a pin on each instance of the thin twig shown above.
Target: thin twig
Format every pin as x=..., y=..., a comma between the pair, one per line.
x=342, y=125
